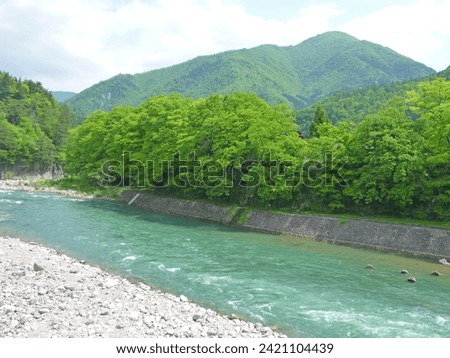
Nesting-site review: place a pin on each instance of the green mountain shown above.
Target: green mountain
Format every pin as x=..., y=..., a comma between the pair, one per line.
x=62, y=96
x=297, y=75
x=445, y=73
x=33, y=127
x=354, y=105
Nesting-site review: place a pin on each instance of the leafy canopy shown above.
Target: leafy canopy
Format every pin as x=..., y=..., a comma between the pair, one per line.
x=240, y=149
x=33, y=126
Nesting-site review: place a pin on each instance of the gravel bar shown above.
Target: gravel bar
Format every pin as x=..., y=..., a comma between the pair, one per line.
x=47, y=294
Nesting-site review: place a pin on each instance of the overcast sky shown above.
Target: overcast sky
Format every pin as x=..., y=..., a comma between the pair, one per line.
x=73, y=44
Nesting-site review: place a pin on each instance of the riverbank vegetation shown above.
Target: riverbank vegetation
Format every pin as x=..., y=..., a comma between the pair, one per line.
x=390, y=159
x=239, y=149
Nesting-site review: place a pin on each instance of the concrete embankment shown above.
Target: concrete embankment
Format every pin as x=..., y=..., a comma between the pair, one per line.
x=404, y=239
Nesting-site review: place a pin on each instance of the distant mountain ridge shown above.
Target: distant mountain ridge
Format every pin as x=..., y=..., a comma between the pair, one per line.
x=297, y=75
x=62, y=96
x=354, y=105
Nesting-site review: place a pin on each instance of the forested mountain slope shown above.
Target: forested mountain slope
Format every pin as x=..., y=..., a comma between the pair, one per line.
x=354, y=105
x=297, y=75
x=33, y=126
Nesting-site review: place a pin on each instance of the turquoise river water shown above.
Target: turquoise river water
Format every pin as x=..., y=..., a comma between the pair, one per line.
x=303, y=288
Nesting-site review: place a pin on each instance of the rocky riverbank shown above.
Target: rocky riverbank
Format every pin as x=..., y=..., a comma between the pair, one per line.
x=46, y=294
x=30, y=185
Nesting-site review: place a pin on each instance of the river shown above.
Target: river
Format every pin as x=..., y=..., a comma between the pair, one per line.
x=304, y=288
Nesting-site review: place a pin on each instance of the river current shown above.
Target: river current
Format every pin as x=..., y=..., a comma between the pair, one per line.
x=304, y=288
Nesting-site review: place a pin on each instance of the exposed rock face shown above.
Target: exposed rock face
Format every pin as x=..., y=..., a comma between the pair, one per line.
x=92, y=303
x=34, y=172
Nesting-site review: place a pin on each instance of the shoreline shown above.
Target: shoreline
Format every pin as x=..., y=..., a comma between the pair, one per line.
x=48, y=294
x=28, y=185
x=407, y=240
x=125, y=314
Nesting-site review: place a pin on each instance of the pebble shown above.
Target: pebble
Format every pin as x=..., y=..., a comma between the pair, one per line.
x=9, y=308
x=37, y=267
x=134, y=316
x=111, y=283
x=444, y=262
x=42, y=292
x=148, y=321
x=93, y=303
x=196, y=317
x=120, y=325
x=18, y=184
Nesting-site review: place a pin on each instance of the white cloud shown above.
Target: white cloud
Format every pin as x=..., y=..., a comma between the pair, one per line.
x=73, y=44
x=94, y=40
x=420, y=30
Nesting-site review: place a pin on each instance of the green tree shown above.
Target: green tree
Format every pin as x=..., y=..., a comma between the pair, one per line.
x=87, y=146
x=9, y=142
x=240, y=149
x=163, y=126
x=241, y=134
x=320, y=118
x=431, y=102
x=386, y=161
x=324, y=167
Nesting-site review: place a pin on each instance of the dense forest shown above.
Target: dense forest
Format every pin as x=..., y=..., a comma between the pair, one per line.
x=376, y=150
x=296, y=75
x=33, y=127
x=353, y=105
x=240, y=149
x=356, y=104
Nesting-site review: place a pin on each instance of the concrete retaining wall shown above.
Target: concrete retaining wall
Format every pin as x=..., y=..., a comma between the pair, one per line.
x=173, y=206
x=405, y=239
x=412, y=240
